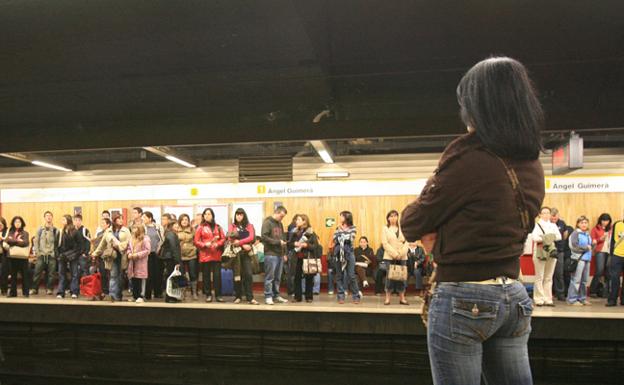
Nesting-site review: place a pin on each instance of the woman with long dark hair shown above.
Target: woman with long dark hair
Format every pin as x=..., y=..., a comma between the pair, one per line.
x=475, y=212
x=304, y=243
x=243, y=268
x=395, y=253
x=69, y=252
x=209, y=239
x=189, y=265
x=18, y=241
x=343, y=258
x=4, y=257
x=154, y=282
x=601, y=237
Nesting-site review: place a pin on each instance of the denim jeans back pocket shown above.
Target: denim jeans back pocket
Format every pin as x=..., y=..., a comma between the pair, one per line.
x=525, y=311
x=473, y=320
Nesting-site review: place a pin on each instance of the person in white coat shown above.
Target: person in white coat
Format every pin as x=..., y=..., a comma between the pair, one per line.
x=544, y=269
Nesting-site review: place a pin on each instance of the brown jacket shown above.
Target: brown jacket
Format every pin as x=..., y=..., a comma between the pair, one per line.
x=470, y=204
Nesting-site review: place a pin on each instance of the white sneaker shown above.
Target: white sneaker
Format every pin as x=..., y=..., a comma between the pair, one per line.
x=330, y=293
x=237, y=301
x=281, y=300
x=361, y=295
x=269, y=301
x=59, y=297
x=140, y=300
x=365, y=283
x=74, y=296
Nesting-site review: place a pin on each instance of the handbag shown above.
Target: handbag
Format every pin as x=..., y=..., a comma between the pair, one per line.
x=311, y=266
x=397, y=272
x=91, y=285
x=19, y=252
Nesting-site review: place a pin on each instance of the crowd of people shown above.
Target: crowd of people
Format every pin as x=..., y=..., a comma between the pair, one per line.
x=563, y=254
x=139, y=258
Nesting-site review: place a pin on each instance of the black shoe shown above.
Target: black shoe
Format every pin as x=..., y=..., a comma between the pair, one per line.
x=561, y=298
x=171, y=300
x=609, y=304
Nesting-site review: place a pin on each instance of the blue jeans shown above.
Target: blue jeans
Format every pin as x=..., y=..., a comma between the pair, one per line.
x=272, y=275
x=616, y=266
x=578, y=283
x=480, y=331
x=114, y=283
x=191, y=267
x=316, y=289
x=331, y=278
x=74, y=268
x=347, y=278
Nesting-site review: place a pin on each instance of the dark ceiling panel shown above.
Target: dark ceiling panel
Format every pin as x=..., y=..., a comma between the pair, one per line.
x=123, y=73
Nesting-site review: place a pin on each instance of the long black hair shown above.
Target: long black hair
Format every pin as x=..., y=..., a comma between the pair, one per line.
x=605, y=217
x=4, y=225
x=245, y=220
x=211, y=223
x=498, y=99
x=15, y=218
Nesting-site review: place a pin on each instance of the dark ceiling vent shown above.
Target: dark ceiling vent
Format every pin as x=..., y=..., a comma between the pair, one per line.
x=265, y=169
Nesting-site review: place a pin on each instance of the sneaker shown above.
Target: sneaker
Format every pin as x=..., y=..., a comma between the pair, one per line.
x=209, y=298
x=219, y=299
x=59, y=296
x=49, y=292
x=139, y=300
x=281, y=300
x=237, y=301
x=74, y=296
x=131, y=300
x=360, y=293
x=253, y=302
x=575, y=304
x=269, y=301
x=365, y=283
x=33, y=292
x=330, y=292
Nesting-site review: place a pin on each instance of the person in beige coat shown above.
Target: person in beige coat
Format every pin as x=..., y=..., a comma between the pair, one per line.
x=108, y=250
x=395, y=253
x=190, y=264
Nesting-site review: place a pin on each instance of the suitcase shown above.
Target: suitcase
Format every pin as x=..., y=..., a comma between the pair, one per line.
x=227, y=282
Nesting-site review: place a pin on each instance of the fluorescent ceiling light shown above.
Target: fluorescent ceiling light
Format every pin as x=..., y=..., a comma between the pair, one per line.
x=180, y=161
x=322, y=149
x=332, y=174
x=50, y=165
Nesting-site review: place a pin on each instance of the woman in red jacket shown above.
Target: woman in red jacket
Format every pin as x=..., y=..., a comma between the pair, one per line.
x=600, y=236
x=209, y=239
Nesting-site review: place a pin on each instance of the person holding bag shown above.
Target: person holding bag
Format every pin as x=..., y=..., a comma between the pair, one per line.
x=139, y=248
x=395, y=254
x=106, y=250
x=545, y=234
x=189, y=264
x=303, y=243
x=209, y=239
x=244, y=267
x=343, y=258
x=581, y=246
x=364, y=261
x=69, y=250
x=18, y=241
x=170, y=253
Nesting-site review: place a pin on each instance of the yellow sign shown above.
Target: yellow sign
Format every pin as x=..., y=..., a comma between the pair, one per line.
x=547, y=183
x=194, y=191
x=261, y=189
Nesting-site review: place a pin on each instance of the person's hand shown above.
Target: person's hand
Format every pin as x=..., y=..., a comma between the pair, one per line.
x=282, y=242
x=428, y=241
x=207, y=245
x=246, y=247
x=589, y=247
x=415, y=265
x=297, y=244
x=236, y=242
x=285, y=258
x=303, y=245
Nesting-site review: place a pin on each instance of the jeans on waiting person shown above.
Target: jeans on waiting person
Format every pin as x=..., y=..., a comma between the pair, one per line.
x=380, y=275
x=74, y=268
x=47, y=264
x=615, y=271
x=191, y=267
x=578, y=283
x=272, y=275
x=479, y=332
x=601, y=269
x=346, y=278
x=558, y=280
x=331, y=278
x=115, y=280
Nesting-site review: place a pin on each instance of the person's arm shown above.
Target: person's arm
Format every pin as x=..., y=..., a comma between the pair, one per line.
x=144, y=251
x=442, y=197
x=267, y=234
x=556, y=232
x=103, y=243
x=386, y=244
x=311, y=243
x=21, y=241
x=574, y=243
x=123, y=245
x=249, y=239
x=221, y=241
x=537, y=233
x=197, y=239
x=36, y=242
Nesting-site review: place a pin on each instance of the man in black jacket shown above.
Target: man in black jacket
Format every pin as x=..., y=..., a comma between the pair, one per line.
x=558, y=279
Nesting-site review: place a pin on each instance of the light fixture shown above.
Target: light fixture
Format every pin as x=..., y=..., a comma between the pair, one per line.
x=333, y=174
x=322, y=149
x=50, y=165
x=180, y=161
x=170, y=155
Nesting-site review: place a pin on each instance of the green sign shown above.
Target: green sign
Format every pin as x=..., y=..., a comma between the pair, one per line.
x=330, y=222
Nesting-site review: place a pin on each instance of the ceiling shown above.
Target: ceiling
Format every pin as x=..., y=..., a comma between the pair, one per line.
x=129, y=73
